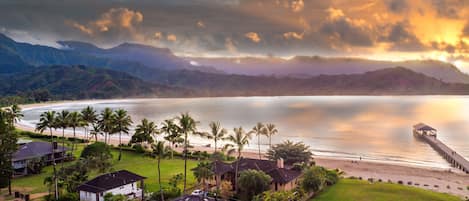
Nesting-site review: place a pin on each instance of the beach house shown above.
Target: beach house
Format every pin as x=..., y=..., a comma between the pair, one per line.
x=121, y=182
x=283, y=178
x=36, y=152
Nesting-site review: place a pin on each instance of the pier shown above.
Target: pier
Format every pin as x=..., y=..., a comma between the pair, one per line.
x=429, y=134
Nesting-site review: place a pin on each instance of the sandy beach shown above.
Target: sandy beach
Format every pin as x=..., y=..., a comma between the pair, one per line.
x=441, y=180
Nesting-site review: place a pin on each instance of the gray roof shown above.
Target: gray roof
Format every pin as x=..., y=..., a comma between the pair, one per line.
x=423, y=127
x=35, y=150
x=110, y=181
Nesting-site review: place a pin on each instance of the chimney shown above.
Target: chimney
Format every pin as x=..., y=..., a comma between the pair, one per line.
x=54, y=144
x=280, y=163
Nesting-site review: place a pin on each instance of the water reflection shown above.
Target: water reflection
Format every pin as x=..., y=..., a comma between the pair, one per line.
x=376, y=128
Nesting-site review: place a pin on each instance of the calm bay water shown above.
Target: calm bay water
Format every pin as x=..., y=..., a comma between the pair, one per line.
x=371, y=127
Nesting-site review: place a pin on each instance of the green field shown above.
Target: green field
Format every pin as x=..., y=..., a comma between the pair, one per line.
x=358, y=190
x=131, y=161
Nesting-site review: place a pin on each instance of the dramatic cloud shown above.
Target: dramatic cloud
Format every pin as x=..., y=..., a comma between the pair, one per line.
x=115, y=18
x=393, y=29
x=293, y=35
x=253, y=36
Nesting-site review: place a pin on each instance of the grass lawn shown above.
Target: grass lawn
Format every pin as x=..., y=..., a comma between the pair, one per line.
x=358, y=190
x=131, y=161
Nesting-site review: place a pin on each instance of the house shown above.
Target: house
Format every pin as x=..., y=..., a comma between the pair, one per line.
x=121, y=182
x=36, y=151
x=282, y=178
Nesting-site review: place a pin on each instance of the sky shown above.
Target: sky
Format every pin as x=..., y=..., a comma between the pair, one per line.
x=374, y=29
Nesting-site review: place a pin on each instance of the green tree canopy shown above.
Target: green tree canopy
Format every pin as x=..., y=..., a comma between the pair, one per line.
x=98, y=150
x=290, y=152
x=252, y=183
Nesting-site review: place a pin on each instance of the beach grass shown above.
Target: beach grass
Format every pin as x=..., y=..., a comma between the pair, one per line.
x=358, y=190
x=131, y=161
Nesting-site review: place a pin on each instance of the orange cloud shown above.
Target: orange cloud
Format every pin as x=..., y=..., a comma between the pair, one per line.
x=297, y=5
x=119, y=18
x=171, y=37
x=293, y=35
x=200, y=24
x=230, y=46
x=253, y=36
x=158, y=35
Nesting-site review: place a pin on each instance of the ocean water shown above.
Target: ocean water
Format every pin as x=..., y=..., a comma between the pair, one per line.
x=376, y=128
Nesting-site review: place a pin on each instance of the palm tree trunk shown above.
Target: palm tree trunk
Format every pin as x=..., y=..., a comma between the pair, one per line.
x=259, y=144
x=270, y=141
x=120, y=148
x=236, y=172
x=56, y=189
x=63, y=146
x=74, y=138
x=185, y=162
x=159, y=179
x=172, y=151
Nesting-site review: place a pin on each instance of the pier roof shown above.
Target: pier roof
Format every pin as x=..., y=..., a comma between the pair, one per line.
x=423, y=127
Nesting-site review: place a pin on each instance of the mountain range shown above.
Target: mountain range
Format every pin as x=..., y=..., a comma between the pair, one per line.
x=82, y=70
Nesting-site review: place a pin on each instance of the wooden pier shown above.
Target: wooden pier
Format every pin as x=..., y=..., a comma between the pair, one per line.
x=429, y=135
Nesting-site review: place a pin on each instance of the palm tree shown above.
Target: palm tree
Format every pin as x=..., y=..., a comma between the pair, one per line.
x=270, y=130
x=172, y=133
x=15, y=112
x=63, y=121
x=47, y=121
x=159, y=151
x=239, y=139
x=106, y=120
x=144, y=131
x=89, y=117
x=122, y=122
x=217, y=133
x=75, y=120
x=187, y=125
x=95, y=131
x=259, y=130
x=202, y=172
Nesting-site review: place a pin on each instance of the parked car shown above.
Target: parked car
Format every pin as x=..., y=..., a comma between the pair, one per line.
x=199, y=192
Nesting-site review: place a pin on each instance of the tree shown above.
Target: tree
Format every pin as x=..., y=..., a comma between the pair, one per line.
x=239, y=140
x=187, y=125
x=314, y=179
x=98, y=156
x=173, y=136
x=253, y=182
x=105, y=122
x=47, y=121
x=75, y=120
x=270, y=130
x=290, y=152
x=111, y=197
x=216, y=133
x=175, y=179
x=202, y=172
x=8, y=140
x=144, y=132
x=74, y=175
x=122, y=122
x=159, y=151
x=95, y=131
x=63, y=121
x=89, y=117
x=277, y=196
x=259, y=130
x=15, y=114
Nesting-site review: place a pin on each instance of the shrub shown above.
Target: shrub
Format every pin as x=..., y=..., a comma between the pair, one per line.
x=69, y=197
x=168, y=193
x=97, y=149
x=314, y=179
x=332, y=177
x=400, y=182
x=252, y=183
x=139, y=148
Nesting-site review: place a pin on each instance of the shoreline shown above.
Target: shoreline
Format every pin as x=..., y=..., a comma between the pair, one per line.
x=429, y=178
